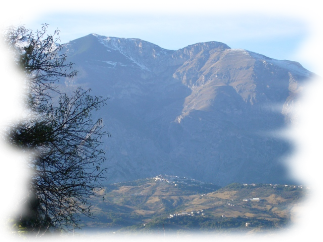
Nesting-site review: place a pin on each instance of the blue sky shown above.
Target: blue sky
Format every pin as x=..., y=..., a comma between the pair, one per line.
x=289, y=30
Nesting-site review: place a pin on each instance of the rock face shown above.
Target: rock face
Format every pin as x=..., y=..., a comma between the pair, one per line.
x=205, y=111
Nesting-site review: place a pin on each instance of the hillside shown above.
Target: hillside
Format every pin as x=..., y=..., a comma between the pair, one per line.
x=183, y=204
x=205, y=111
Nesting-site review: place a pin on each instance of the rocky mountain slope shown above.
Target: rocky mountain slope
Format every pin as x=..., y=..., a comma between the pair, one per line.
x=205, y=111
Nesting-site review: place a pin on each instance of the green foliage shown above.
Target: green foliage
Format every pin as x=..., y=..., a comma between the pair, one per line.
x=234, y=186
x=9, y=228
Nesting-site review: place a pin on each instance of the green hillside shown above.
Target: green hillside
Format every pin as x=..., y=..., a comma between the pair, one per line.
x=168, y=203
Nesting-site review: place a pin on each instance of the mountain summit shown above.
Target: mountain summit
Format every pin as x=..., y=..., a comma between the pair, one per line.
x=205, y=111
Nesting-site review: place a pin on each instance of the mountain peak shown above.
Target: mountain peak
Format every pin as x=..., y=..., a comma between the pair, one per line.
x=209, y=45
x=218, y=95
x=117, y=43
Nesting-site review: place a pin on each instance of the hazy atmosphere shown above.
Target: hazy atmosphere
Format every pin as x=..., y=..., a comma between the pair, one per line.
x=281, y=29
x=213, y=93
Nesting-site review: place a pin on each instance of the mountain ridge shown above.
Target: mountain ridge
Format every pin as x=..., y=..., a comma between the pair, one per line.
x=200, y=111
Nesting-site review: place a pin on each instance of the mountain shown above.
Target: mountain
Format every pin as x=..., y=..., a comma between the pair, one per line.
x=205, y=111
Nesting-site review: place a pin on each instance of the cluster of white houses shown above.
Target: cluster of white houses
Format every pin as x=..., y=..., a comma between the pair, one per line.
x=176, y=180
x=255, y=199
x=160, y=178
x=198, y=212
x=276, y=185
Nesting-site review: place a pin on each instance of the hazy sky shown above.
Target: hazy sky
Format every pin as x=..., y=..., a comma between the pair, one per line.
x=277, y=29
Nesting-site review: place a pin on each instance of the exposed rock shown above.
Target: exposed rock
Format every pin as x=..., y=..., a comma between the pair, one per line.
x=205, y=111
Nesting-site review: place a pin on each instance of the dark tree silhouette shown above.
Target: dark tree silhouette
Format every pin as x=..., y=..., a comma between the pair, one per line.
x=60, y=132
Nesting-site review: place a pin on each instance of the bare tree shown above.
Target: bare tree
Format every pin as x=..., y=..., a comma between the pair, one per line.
x=49, y=150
